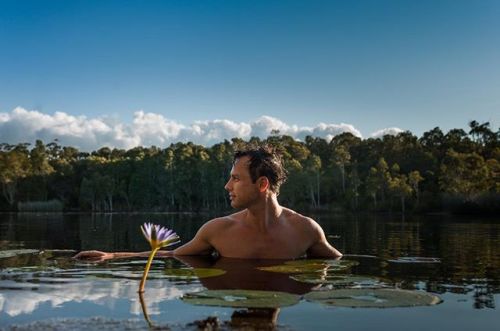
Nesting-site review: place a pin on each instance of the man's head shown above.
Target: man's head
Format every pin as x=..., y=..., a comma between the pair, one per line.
x=264, y=161
x=255, y=171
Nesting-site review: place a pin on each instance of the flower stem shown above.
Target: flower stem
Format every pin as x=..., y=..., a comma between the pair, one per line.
x=146, y=270
x=145, y=310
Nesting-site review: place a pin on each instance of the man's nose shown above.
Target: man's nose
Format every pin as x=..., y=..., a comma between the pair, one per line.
x=227, y=186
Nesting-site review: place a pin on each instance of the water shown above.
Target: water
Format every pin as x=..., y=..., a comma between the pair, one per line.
x=454, y=258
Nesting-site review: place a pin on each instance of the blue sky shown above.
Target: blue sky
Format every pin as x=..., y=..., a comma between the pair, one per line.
x=412, y=65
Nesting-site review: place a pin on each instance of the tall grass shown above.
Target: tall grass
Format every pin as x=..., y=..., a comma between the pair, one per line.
x=41, y=206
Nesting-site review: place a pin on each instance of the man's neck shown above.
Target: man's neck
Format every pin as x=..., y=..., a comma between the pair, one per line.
x=264, y=214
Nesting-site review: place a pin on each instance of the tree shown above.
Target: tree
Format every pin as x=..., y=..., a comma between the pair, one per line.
x=313, y=168
x=458, y=140
x=14, y=166
x=464, y=174
x=433, y=139
x=384, y=176
x=494, y=170
x=341, y=159
x=481, y=133
x=88, y=194
x=40, y=170
x=414, y=178
x=40, y=160
x=373, y=185
x=355, y=183
x=399, y=187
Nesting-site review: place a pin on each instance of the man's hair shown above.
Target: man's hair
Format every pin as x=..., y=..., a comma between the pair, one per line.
x=264, y=161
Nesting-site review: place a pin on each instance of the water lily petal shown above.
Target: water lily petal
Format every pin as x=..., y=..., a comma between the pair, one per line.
x=159, y=236
x=146, y=231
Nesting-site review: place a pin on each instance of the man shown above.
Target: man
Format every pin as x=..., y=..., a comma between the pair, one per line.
x=262, y=229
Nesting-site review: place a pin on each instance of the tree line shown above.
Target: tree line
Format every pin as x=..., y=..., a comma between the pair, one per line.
x=454, y=171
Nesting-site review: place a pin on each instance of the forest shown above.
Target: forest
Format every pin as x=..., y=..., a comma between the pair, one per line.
x=456, y=171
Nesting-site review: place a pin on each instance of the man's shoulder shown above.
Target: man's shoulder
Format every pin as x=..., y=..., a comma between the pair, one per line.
x=308, y=227
x=295, y=217
x=224, y=221
x=299, y=221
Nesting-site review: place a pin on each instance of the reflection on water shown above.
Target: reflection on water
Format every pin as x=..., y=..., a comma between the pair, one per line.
x=454, y=258
x=25, y=288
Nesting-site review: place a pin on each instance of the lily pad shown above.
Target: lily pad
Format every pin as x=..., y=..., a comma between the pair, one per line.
x=416, y=260
x=193, y=273
x=16, y=252
x=372, y=298
x=329, y=263
x=292, y=269
x=241, y=298
x=311, y=266
x=336, y=279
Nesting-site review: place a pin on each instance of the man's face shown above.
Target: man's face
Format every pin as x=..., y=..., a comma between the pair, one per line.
x=242, y=192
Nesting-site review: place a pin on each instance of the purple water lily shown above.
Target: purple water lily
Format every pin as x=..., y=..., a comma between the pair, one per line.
x=159, y=236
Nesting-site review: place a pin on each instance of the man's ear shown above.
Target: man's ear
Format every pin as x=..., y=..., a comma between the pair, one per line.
x=263, y=184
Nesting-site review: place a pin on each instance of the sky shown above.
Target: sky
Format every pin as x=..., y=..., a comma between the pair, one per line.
x=127, y=73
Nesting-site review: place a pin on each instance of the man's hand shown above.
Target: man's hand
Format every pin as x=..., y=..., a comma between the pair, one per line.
x=95, y=256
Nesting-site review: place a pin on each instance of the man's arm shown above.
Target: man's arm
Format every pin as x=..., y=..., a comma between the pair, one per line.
x=98, y=256
x=199, y=245
x=320, y=246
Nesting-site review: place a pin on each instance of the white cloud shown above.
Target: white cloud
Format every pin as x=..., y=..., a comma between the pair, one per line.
x=146, y=129
x=212, y=132
x=387, y=131
x=99, y=292
x=4, y=117
x=263, y=126
x=328, y=131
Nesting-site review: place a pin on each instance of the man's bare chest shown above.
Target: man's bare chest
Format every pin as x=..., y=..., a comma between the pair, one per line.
x=247, y=244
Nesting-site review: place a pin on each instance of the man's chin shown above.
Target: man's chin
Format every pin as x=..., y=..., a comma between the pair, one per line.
x=235, y=205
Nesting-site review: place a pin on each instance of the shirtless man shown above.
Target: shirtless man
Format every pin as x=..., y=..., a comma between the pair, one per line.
x=262, y=229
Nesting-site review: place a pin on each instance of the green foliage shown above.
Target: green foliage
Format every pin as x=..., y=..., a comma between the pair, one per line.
x=464, y=174
x=457, y=170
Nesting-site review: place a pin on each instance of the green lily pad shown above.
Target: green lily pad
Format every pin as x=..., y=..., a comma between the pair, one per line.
x=336, y=279
x=16, y=252
x=372, y=298
x=331, y=264
x=193, y=273
x=311, y=266
x=291, y=269
x=241, y=298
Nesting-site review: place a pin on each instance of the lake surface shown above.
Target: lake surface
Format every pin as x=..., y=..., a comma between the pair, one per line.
x=454, y=259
